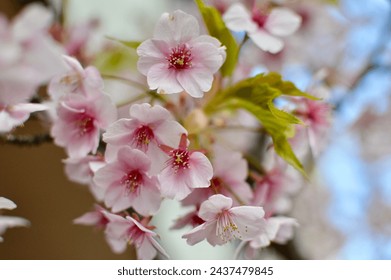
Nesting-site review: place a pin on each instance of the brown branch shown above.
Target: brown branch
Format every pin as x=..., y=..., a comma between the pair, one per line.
x=25, y=140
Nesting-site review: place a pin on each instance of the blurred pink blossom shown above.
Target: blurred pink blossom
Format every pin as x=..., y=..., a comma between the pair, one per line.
x=264, y=29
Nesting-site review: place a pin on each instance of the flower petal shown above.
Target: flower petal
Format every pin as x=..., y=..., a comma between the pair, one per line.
x=249, y=220
x=151, y=52
x=210, y=208
x=120, y=132
x=163, y=79
x=178, y=27
x=148, y=201
x=200, y=171
x=195, y=81
x=266, y=42
x=282, y=22
x=5, y=203
x=237, y=18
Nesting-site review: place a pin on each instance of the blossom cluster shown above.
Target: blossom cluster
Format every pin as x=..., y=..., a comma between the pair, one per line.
x=173, y=144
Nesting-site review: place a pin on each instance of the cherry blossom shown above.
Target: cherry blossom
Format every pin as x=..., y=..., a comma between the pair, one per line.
x=148, y=127
x=82, y=170
x=178, y=58
x=230, y=172
x=277, y=229
x=127, y=183
x=184, y=171
x=80, y=119
x=94, y=218
x=129, y=230
x=262, y=27
x=25, y=52
x=224, y=223
x=317, y=116
x=7, y=221
x=75, y=80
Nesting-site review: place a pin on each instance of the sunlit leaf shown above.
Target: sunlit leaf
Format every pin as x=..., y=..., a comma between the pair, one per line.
x=257, y=95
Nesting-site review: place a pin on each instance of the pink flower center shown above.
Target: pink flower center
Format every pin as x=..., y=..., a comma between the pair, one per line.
x=180, y=57
x=72, y=80
x=226, y=228
x=103, y=221
x=259, y=17
x=135, y=235
x=142, y=137
x=132, y=181
x=85, y=124
x=180, y=159
x=216, y=184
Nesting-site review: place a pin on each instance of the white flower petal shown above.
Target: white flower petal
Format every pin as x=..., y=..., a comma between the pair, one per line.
x=163, y=79
x=237, y=18
x=266, y=42
x=5, y=203
x=195, y=82
x=282, y=22
x=210, y=208
x=151, y=52
x=176, y=27
x=249, y=220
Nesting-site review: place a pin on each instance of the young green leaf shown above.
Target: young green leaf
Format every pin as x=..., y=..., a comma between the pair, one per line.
x=256, y=95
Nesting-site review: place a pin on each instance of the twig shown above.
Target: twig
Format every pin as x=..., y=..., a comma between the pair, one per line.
x=25, y=140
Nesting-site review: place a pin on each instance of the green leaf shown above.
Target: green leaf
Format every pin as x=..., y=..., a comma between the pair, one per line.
x=256, y=95
x=216, y=28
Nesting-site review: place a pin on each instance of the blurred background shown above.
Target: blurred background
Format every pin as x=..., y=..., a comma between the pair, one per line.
x=345, y=213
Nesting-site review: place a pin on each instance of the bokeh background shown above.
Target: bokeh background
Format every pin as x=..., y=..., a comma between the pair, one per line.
x=344, y=214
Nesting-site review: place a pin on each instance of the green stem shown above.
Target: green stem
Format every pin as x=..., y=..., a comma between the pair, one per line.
x=125, y=80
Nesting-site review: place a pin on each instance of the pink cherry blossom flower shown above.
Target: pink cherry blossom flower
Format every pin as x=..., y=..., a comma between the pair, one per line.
x=317, y=116
x=268, y=188
x=184, y=171
x=178, y=58
x=277, y=229
x=94, y=218
x=28, y=58
x=75, y=80
x=129, y=230
x=7, y=221
x=80, y=119
x=263, y=28
x=148, y=127
x=82, y=170
x=128, y=184
x=230, y=172
x=224, y=222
